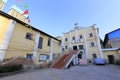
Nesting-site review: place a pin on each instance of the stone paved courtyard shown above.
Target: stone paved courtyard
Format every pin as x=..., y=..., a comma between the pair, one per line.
x=89, y=72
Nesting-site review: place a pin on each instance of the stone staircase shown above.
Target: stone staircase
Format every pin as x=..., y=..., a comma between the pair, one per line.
x=62, y=61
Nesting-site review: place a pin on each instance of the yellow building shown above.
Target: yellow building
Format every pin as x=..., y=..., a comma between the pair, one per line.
x=17, y=13
x=111, y=55
x=2, y=3
x=20, y=39
x=111, y=51
x=85, y=39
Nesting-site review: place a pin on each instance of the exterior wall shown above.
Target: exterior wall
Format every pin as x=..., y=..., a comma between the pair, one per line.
x=73, y=33
x=85, y=41
x=56, y=47
x=115, y=43
x=19, y=45
x=94, y=49
x=3, y=27
x=4, y=30
x=17, y=14
x=109, y=52
x=118, y=52
x=45, y=48
x=13, y=41
x=108, y=45
x=66, y=43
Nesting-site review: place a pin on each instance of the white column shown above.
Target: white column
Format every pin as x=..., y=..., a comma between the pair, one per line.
x=6, y=39
x=36, y=46
x=51, y=49
x=98, y=42
x=86, y=46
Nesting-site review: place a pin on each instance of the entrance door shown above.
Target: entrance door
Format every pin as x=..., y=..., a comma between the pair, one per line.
x=111, y=59
x=80, y=55
x=74, y=47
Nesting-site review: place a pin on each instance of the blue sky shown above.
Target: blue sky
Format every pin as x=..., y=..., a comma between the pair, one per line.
x=57, y=16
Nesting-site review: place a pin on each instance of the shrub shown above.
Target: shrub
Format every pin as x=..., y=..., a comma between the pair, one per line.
x=10, y=68
x=118, y=63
